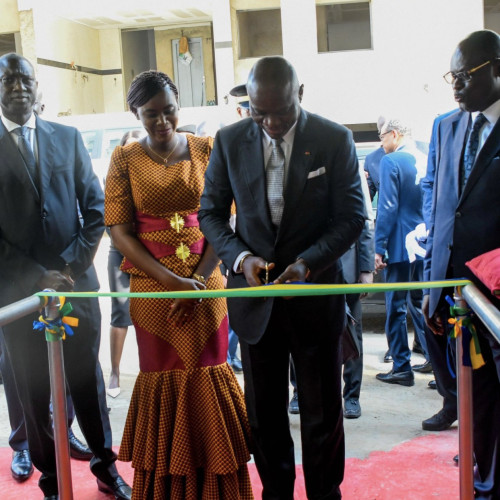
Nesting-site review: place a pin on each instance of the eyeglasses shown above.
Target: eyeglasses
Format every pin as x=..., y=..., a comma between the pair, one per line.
x=381, y=136
x=463, y=76
x=10, y=81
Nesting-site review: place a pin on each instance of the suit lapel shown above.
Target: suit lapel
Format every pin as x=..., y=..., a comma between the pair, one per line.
x=251, y=160
x=46, y=148
x=483, y=159
x=12, y=160
x=459, y=127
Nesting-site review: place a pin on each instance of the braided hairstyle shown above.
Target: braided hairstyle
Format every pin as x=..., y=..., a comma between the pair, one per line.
x=146, y=85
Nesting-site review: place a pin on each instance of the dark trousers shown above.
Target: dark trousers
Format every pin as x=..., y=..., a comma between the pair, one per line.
x=353, y=369
x=397, y=307
x=486, y=412
x=28, y=353
x=446, y=384
x=18, y=439
x=309, y=329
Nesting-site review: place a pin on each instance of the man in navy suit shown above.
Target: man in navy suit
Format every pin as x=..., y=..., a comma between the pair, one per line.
x=465, y=223
x=295, y=181
x=437, y=345
x=399, y=213
x=51, y=222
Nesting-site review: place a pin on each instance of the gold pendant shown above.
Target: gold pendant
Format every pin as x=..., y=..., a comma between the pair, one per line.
x=177, y=222
x=182, y=252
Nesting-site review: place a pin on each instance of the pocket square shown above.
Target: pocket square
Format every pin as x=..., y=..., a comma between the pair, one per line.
x=316, y=173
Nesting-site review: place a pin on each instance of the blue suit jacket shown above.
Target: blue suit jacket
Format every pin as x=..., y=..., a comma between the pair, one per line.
x=462, y=225
x=63, y=223
x=400, y=201
x=432, y=161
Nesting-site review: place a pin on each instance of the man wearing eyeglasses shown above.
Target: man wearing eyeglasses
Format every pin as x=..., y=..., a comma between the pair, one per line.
x=399, y=212
x=47, y=182
x=465, y=223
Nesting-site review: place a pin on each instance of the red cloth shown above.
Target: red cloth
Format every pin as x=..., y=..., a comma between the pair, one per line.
x=487, y=268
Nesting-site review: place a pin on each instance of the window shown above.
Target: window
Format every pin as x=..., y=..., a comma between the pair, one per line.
x=492, y=15
x=344, y=26
x=7, y=43
x=260, y=33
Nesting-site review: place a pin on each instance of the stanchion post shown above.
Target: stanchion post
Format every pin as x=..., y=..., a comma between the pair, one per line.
x=59, y=410
x=465, y=418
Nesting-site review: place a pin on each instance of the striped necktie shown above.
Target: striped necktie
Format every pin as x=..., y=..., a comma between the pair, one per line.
x=275, y=173
x=471, y=148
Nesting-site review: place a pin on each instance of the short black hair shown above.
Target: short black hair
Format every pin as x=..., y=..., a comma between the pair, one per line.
x=486, y=43
x=146, y=85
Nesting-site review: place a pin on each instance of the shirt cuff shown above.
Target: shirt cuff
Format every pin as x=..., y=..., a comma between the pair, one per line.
x=236, y=265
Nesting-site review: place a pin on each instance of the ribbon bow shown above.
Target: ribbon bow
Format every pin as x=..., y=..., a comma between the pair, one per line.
x=57, y=328
x=461, y=319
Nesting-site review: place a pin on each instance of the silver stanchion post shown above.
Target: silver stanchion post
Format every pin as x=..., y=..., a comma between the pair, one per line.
x=465, y=419
x=59, y=410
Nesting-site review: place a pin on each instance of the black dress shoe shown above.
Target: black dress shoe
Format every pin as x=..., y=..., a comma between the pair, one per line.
x=401, y=378
x=441, y=421
x=423, y=368
x=293, y=407
x=119, y=488
x=51, y=497
x=387, y=357
x=21, y=466
x=432, y=385
x=455, y=460
x=77, y=449
x=352, y=408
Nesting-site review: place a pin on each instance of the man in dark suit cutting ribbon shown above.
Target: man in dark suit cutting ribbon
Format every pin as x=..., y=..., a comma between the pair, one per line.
x=294, y=178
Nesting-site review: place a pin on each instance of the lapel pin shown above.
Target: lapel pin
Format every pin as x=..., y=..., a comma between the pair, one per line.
x=307, y=153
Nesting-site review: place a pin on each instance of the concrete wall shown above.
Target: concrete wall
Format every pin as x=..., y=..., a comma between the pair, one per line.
x=401, y=74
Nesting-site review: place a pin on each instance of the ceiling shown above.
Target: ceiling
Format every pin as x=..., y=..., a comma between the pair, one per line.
x=103, y=14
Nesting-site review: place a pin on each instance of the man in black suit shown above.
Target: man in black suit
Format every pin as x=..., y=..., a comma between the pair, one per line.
x=51, y=222
x=294, y=178
x=465, y=223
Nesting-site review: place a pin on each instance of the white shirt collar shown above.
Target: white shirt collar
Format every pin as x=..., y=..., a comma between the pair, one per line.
x=287, y=138
x=10, y=125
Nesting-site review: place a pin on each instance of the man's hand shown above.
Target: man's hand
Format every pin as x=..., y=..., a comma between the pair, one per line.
x=297, y=271
x=57, y=281
x=379, y=262
x=435, y=323
x=253, y=267
x=365, y=278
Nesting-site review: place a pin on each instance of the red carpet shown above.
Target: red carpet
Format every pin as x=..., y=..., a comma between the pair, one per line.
x=420, y=469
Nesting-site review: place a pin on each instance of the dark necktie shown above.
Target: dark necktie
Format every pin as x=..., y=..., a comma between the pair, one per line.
x=471, y=148
x=27, y=153
x=275, y=173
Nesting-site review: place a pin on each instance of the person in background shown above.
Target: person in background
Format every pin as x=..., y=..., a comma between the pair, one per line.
x=399, y=212
x=118, y=282
x=187, y=430
x=358, y=265
x=48, y=184
x=465, y=223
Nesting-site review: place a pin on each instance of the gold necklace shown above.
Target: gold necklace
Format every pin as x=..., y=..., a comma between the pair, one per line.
x=164, y=160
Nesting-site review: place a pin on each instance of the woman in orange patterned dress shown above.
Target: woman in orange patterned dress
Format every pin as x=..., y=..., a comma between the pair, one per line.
x=186, y=431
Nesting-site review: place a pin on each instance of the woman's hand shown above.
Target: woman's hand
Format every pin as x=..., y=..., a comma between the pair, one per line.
x=182, y=310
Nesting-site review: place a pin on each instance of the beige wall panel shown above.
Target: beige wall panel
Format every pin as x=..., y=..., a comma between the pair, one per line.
x=9, y=18
x=113, y=94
